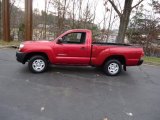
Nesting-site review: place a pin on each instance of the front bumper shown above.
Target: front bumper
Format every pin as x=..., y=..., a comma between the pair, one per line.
x=21, y=57
x=140, y=62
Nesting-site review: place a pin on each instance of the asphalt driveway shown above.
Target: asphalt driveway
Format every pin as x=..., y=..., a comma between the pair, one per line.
x=77, y=93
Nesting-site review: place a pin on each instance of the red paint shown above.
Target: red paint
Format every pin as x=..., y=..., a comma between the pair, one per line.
x=82, y=54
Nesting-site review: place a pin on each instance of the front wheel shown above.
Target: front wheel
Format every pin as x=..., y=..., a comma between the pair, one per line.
x=112, y=67
x=37, y=64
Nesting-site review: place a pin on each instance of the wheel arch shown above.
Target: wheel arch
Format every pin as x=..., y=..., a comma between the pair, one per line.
x=120, y=58
x=29, y=55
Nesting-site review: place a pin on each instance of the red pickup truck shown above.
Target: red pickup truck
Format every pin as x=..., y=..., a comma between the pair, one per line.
x=75, y=47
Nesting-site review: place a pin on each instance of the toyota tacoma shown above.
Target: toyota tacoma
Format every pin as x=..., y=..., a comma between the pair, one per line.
x=75, y=47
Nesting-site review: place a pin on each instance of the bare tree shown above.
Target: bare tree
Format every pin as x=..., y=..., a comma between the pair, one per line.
x=94, y=10
x=156, y=6
x=144, y=30
x=124, y=16
x=73, y=13
x=80, y=10
x=61, y=10
x=45, y=17
x=109, y=23
x=87, y=16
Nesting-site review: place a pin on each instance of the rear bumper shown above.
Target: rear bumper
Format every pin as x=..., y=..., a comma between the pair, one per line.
x=140, y=62
x=20, y=57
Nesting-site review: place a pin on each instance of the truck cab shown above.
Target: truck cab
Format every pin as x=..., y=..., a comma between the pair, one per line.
x=73, y=47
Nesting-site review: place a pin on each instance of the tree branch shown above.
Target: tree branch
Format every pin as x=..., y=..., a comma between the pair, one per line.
x=119, y=6
x=115, y=8
x=137, y=4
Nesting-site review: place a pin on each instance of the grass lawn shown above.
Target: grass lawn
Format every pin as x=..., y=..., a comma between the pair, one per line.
x=12, y=43
x=152, y=60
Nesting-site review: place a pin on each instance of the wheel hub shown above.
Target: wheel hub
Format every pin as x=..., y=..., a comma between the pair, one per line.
x=38, y=65
x=113, y=68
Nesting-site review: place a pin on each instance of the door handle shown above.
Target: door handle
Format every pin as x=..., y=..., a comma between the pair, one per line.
x=83, y=48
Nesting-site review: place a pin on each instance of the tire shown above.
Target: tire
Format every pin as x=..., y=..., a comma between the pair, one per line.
x=112, y=67
x=37, y=64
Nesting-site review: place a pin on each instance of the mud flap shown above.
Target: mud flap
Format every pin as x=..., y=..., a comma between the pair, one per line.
x=124, y=68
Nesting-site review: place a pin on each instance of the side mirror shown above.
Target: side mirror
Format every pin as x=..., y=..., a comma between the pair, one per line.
x=60, y=40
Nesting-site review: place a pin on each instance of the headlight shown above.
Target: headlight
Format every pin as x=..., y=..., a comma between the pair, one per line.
x=21, y=46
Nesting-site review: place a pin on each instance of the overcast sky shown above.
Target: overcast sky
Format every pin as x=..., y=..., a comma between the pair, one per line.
x=40, y=4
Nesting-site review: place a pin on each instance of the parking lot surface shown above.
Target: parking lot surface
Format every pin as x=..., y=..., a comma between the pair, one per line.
x=77, y=93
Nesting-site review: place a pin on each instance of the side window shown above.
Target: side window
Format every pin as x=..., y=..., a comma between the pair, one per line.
x=74, y=38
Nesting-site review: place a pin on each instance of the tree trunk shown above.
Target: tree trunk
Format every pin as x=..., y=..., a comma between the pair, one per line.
x=73, y=14
x=122, y=30
x=124, y=20
x=6, y=20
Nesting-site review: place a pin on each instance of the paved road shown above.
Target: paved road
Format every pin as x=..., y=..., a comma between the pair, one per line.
x=77, y=93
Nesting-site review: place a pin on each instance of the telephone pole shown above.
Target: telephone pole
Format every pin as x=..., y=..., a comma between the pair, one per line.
x=28, y=19
x=6, y=20
x=0, y=20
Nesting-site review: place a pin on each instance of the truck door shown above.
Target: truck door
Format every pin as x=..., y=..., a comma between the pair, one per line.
x=73, y=49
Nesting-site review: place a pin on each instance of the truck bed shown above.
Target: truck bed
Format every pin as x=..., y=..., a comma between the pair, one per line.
x=103, y=43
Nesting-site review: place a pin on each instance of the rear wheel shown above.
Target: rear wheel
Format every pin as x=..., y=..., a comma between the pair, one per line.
x=37, y=64
x=112, y=67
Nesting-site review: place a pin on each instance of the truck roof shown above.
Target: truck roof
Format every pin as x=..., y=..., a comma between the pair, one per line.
x=78, y=30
